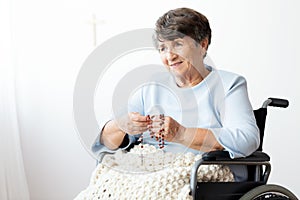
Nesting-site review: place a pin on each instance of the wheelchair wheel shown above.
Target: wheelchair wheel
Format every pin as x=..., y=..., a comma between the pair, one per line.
x=270, y=192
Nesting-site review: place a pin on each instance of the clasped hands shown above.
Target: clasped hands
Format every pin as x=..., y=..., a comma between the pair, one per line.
x=157, y=125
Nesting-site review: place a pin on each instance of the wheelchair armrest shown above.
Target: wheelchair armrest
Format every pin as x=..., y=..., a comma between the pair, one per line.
x=257, y=156
x=216, y=156
x=223, y=157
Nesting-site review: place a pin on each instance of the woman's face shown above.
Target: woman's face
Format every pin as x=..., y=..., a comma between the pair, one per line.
x=181, y=55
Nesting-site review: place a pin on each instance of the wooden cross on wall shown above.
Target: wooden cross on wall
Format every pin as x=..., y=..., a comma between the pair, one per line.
x=94, y=23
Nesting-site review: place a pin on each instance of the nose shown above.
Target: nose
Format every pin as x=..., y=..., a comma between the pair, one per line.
x=171, y=55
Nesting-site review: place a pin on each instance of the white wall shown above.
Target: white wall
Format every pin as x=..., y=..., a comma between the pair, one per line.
x=258, y=39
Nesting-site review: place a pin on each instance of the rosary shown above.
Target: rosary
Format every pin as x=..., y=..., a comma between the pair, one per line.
x=156, y=132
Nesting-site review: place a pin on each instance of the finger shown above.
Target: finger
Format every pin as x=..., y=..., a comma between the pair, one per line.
x=157, y=117
x=157, y=122
x=167, y=120
x=138, y=127
x=135, y=116
x=156, y=126
x=136, y=130
x=159, y=133
x=155, y=130
x=140, y=124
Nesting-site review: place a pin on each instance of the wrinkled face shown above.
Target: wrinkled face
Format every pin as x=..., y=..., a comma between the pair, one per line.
x=181, y=55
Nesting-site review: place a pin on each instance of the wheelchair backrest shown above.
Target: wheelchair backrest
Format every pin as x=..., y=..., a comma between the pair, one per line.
x=260, y=116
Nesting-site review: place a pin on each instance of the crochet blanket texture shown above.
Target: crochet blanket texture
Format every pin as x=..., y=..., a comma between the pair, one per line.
x=149, y=173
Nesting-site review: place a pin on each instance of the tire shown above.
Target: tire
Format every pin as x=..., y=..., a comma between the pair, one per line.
x=270, y=192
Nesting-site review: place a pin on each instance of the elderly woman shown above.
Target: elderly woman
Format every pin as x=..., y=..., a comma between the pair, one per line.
x=203, y=109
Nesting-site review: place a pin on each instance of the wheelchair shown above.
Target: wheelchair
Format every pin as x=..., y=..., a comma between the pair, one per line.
x=258, y=165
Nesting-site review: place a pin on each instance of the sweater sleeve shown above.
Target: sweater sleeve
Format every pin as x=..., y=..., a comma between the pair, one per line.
x=98, y=147
x=238, y=134
x=135, y=104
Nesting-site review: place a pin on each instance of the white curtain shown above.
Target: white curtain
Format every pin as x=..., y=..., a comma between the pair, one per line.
x=13, y=185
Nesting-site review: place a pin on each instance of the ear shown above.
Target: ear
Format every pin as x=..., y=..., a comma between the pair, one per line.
x=204, y=43
x=204, y=46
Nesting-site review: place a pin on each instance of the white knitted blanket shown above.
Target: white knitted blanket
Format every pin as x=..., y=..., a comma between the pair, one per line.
x=148, y=173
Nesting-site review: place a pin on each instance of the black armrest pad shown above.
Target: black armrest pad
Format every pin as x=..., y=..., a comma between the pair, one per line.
x=125, y=142
x=257, y=156
x=216, y=156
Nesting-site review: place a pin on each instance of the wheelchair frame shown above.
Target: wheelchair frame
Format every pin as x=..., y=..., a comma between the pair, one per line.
x=259, y=169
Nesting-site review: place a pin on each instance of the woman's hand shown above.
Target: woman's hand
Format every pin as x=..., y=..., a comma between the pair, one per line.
x=173, y=131
x=166, y=127
x=134, y=123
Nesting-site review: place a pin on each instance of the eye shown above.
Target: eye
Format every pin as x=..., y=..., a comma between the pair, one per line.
x=162, y=49
x=178, y=43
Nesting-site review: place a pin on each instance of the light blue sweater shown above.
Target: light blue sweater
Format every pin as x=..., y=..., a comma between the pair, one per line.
x=219, y=103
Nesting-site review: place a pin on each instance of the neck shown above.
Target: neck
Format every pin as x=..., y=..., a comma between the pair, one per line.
x=191, y=79
x=184, y=83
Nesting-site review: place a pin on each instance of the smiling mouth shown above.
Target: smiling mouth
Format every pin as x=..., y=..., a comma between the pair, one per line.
x=175, y=65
